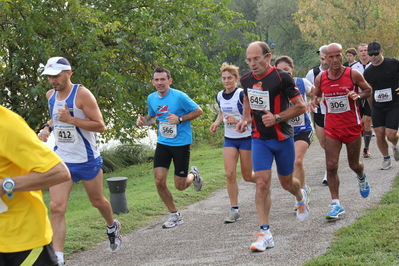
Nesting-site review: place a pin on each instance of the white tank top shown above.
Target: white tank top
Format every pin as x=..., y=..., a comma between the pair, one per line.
x=72, y=144
x=232, y=107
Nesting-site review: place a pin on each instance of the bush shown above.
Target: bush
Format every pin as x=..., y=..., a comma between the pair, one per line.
x=203, y=137
x=123, y=155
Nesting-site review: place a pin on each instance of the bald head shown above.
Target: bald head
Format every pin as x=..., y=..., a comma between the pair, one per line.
x=333, y=47
x=259, y=44
x=334, y=55
x=258, y=57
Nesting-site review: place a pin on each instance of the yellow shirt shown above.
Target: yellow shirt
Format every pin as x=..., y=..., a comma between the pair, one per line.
x=26, y=224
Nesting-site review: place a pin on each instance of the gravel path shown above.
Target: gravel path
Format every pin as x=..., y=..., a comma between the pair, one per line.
x=204, y=239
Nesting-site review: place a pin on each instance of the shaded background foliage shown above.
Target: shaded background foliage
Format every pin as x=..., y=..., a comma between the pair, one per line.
x=114, y=46
x=350, y=22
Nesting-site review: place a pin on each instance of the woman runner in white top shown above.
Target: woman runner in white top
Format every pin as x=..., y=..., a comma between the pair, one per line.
x=236, y=144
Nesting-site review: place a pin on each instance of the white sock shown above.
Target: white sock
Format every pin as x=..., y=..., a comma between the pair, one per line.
x=60, y=256
x=336, y=201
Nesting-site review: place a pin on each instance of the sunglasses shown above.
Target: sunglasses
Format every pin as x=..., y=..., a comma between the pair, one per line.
x=374, y=54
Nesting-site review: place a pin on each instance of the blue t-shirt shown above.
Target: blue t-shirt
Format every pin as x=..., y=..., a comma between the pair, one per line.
x=174, y=102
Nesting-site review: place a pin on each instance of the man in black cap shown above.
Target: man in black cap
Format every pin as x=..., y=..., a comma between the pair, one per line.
x=383, y=76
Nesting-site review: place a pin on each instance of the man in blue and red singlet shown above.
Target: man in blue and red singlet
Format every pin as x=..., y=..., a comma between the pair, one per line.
x=76, y=120
x=343, y=122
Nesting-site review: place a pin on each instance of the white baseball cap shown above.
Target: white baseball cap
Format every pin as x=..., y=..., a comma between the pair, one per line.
x=55, y=65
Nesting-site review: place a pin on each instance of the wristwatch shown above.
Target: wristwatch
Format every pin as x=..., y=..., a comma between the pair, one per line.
x=180, y=119
x=8, y=186
x=278, y=118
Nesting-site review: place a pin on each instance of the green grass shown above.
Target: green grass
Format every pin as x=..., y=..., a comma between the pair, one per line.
x=85, y=225
x=372, y=240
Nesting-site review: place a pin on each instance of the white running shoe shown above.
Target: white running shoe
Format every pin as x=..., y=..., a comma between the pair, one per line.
x=233, y=216
x=198, y=182
x=396, y=153
x=386, y=164
x=264, y=241
x=303, y=211
x=308, y=192
x=174, y=219
x=115, y=238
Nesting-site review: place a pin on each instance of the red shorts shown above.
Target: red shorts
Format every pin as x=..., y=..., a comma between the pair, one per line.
x=346, y=134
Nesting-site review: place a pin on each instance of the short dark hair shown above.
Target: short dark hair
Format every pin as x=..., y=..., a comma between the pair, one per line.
x=286, y=59
x=351, y=51
x=162, y=70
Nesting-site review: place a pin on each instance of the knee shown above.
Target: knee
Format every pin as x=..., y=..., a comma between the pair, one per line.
x=181, y=183
x=380, y=135
x=230, y=177
x=392, y=137
x=298, y=164
x=262, y=185
x=355, y=165
x=332, y=167
x=248, y=178
x=286, y=186
x=98, y=203
x=160, y=184
x=181, y=186
x=58, y=208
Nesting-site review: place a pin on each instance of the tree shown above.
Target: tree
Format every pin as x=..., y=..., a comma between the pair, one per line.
x=113, y=46
x=271, y=20
x=233, y=40
x=350, y=22
x=276, y=18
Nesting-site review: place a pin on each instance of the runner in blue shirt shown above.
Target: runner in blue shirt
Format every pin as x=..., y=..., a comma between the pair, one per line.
x=174, y=110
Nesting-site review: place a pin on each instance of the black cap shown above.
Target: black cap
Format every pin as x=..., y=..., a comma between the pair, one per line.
x=374, y=48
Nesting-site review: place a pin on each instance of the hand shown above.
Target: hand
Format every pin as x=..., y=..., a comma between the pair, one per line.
x=312, y=106
x=173, y=119
x=140, y=121
x=44, y=134
x=231, y=120
x=213, y=128
x=353, y=95
x=397, y=91
x=268, y=118
x=241, y=126
x=64, y=115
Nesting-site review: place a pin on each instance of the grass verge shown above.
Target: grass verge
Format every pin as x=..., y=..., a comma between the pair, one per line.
x=85, y=225
x=372, y=240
